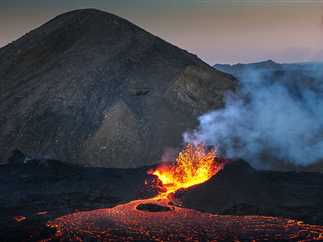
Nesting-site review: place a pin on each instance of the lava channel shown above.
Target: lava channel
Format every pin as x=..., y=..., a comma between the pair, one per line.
x=126, y=223
x=194, y=165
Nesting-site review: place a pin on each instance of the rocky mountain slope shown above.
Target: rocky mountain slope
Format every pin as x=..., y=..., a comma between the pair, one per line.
x=92, y=88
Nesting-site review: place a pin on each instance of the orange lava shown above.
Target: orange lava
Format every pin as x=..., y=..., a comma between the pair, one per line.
x=194, y=165
x=126, y=223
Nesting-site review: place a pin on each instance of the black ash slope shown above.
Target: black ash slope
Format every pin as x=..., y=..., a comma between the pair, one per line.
x=92, y=88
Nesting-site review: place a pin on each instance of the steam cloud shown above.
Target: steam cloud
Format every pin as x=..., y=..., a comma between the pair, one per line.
x=268, y=120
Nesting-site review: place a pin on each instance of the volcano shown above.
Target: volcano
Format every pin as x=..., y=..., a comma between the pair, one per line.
x=91, y=88
x=90, y=102
x=45, y=201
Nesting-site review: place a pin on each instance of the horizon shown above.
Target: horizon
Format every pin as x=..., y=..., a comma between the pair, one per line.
x=219, y=32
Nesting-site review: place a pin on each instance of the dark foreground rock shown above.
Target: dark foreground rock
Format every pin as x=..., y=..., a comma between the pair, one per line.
x=41, y=190
x=92, y=88
x=241, y=190
x=152, y=207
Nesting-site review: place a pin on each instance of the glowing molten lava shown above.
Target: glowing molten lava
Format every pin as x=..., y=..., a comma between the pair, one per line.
x=194, y=165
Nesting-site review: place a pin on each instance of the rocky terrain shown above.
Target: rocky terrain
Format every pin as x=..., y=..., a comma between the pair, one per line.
x=39, y=191
x=241, y=190
x=126, y=223
x=91, y=88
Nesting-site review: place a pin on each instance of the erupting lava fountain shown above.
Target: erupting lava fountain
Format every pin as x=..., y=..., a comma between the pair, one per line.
x=194, y=165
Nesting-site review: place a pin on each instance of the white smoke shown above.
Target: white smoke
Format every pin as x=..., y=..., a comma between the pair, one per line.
x=269, y=120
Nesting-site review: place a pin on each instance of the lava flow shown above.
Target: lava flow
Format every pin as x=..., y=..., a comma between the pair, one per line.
x=129, y=222
x=194, y=165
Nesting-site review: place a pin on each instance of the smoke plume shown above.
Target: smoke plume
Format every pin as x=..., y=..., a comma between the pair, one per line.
x=271, y=119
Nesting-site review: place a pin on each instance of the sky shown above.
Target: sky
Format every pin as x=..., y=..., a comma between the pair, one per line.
x=218, y=31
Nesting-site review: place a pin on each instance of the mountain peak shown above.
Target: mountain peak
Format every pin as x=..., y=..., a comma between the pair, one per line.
x=87, y=11
x=89, y=26
x=90, y=15
x=270, y=61
x=92, y=88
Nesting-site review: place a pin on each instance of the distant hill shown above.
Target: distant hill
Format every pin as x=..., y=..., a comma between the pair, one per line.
x=238, y=68
x=294, y=75
x=92, y=88
x=268, y=65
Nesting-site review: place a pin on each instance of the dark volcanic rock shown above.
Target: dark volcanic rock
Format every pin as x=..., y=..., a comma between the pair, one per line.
x=92, y=88
x=152, y=207
x=17, y=157
x=241, y=190
x=41, y=190
x=48, y=184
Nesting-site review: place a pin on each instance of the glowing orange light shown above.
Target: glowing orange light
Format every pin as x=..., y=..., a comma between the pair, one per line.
x=194, y=165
